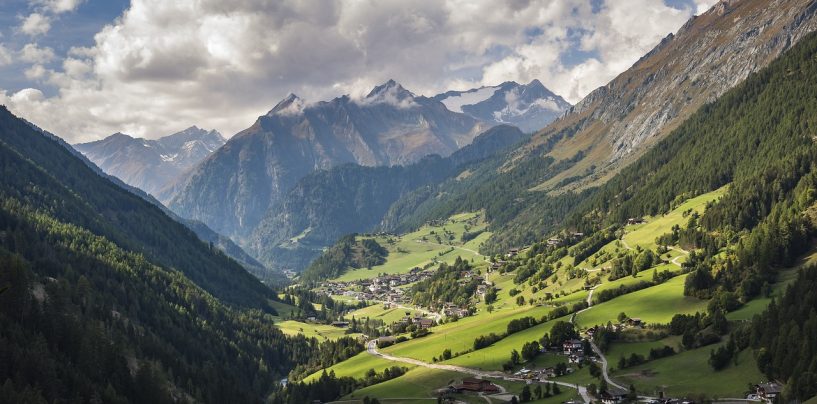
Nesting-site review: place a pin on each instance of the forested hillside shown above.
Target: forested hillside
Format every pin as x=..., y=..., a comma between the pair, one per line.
x=104, y=298
x=348, y=252
x=759, y=140
x=55, y=181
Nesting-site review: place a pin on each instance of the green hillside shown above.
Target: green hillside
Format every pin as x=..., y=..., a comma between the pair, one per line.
x=104, y=298
x=723, y=208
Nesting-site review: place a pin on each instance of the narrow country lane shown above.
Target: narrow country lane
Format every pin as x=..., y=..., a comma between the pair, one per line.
x=603, y=359
x=371, y=348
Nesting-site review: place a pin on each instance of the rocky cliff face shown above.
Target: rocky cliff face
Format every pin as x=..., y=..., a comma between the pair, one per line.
x=232, y=189
x=151, y=165
x=707, y=56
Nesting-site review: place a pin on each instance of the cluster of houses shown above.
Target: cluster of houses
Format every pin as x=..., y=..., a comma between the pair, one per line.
x=384, y=288
x=420, y=321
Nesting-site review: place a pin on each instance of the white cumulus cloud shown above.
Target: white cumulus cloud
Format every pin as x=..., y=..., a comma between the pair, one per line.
x=35, y=24
x=5, y=56
x=165, y=65
x=32, y=53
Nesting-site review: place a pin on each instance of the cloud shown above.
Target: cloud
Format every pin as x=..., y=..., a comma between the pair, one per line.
x=701, y=6
x=5, y=56
x=36, y=24
x=165, y=65
x=32, y=53
x=58, y=6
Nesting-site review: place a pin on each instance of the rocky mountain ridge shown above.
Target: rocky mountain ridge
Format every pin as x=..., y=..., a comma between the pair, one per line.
x=232, y=189
x=710, y=54
x=151, y=164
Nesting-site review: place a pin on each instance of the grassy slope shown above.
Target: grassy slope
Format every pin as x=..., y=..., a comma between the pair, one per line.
x=689, y=373
x=409, y=251
x=320, y=331
x=492, y=357
x=358, y=365
x=459, y=336
x=377, y=312
x=645, y=234
x=653, y=305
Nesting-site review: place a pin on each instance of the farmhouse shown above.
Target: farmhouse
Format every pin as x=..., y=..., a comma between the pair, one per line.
x=477, y=385
x=635, y=220
x=768, y=391
x=425, y=323
x=572, y=346
x=613, y=395
x=340, y=324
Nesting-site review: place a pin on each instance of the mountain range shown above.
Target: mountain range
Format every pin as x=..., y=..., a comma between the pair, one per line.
x=151, y=165
x=232, y=189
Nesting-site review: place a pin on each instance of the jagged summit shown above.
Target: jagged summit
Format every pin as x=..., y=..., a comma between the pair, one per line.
x=289, y=105
x=390, y=87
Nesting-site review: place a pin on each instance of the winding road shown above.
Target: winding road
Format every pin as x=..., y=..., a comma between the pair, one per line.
x=371, y=348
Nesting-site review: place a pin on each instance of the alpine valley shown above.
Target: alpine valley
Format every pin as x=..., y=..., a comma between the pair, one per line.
x=655, y=242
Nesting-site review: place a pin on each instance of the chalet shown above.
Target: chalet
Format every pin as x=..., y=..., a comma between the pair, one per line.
x=425, y=323
x=768, y=391
x=635, y=220
x=549, y=372
x=513, y=252
x=613, y=395
x=576, y=358
x=476, y=385
x=554, y=242
x=573, y=346
x=577, y=235
x=634, y=322
x=340, y=324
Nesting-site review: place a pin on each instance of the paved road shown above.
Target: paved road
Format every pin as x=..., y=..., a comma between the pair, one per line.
x=371, y=348
x=604, y=367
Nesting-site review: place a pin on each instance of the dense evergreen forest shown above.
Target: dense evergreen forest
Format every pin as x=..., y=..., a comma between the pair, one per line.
x=104, y=298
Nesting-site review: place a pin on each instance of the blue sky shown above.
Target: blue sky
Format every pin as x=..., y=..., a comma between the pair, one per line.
x=70, y=29
x=165, y=65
